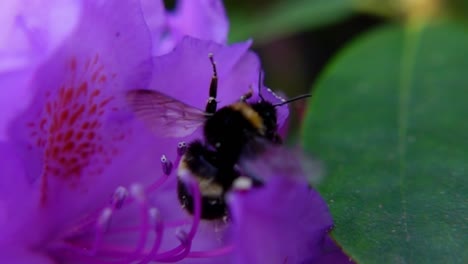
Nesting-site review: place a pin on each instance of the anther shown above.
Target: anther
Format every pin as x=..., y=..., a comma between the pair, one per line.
x=119, y=196
x=104, y=218
x=242, y=183
x=158, y=230
x=154, y=215
x=181, y=148
x=102, y=225
x=166, y=165
x=137, y=192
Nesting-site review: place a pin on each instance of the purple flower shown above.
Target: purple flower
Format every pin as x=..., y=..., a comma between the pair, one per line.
x=286, y=220
x=202, y=19
x=30, y=33
x=285, y=211
x=63, y=64
x=82, y=180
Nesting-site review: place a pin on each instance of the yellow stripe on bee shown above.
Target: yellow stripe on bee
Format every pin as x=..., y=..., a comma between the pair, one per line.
x=251, y=115
x=207, y=185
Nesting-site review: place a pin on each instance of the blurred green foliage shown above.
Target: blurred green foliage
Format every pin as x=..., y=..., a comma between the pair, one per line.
x=284, y=18
x=390, y=130
x=390, y=91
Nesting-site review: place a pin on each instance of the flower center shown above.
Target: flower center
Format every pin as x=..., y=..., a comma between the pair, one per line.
x=148, y=235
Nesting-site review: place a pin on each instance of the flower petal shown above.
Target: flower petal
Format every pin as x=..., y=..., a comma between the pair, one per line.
x=21, y=256
x=156, y=19
x=30, y=33
x=72, y=132
x=16, y=200
x=186, y=72
x=284, y=222
x=332, y=253
x=31, y=30
x=15, y=96
x=203, y=19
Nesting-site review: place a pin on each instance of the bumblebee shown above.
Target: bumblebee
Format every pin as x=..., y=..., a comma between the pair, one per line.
x=237, y=129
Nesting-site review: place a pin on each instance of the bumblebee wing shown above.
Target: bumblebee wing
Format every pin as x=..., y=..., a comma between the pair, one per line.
x=164, y=115
x=277, y=160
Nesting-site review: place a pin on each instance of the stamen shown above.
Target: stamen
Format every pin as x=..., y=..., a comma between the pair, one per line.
x=158, y=230
x=181, y=148
x=101, y=226
x=104, y=219
x=181, y=251
x=99, y=250
x=186, y=241
x=185, y=245
x=119, y=196
x=137, y=192
x=163, y=257
x=166, y=165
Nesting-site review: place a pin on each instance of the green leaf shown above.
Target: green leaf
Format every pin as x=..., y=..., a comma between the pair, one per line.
x=389, y=119
x=287, y=17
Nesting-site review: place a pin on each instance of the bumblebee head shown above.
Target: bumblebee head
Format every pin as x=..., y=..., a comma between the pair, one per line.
x=268, y=115
x=267, y=111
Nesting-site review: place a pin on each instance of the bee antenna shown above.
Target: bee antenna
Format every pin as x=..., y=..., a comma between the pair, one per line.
x=260, y=84
x=213, y=64
x=293, y=99
x=211, y=105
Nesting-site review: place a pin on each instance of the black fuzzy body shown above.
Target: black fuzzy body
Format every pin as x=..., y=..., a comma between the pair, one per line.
x=232, y=131
x=204, y=165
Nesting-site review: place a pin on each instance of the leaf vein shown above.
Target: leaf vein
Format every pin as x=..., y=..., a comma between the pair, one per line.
x=410, y=44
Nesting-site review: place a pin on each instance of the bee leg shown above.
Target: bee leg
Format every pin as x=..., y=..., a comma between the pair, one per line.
x=247, y=95
x=212, y=104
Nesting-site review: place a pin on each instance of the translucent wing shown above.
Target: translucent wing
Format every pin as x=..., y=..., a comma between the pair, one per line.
x=272, y=159
x=164, y=115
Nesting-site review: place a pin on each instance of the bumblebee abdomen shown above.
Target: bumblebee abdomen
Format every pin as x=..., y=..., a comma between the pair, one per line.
x=213, y=181
x=212, y=207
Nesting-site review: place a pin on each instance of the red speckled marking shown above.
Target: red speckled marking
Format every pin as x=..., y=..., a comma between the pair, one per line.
x=69, y=129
